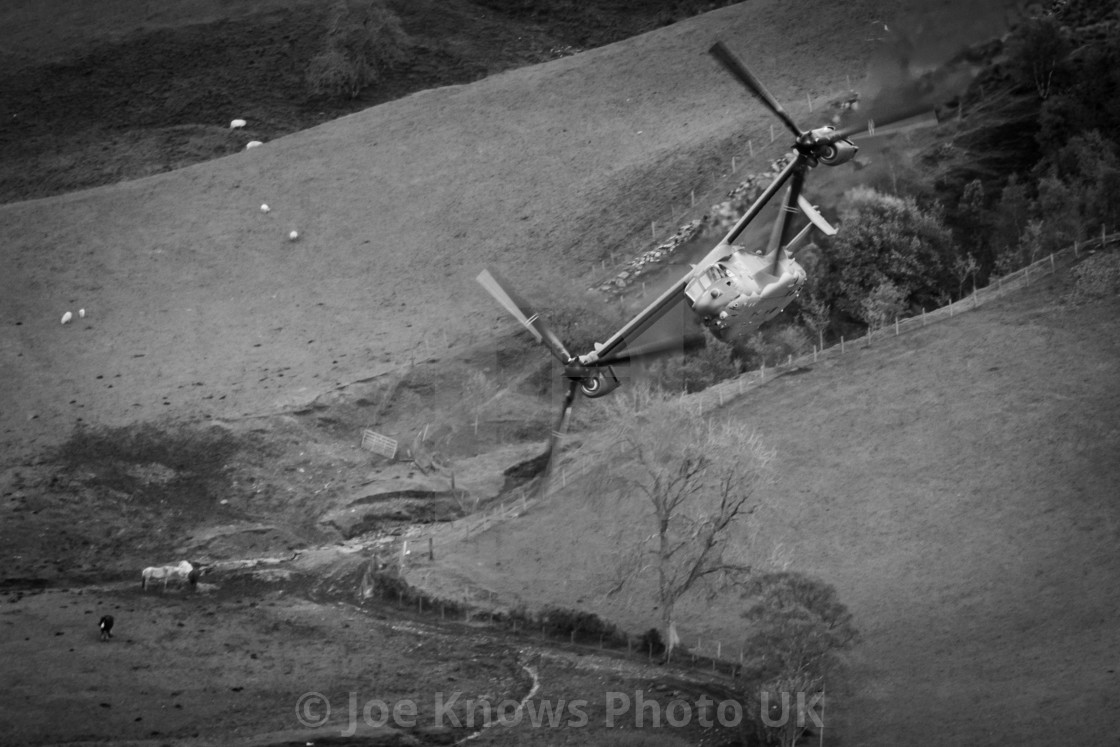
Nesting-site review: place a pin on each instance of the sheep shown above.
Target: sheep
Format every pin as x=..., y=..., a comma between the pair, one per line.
x=237, y=124
x=253, y=144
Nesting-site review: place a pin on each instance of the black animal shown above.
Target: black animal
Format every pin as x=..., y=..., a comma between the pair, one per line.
x=193, y=576
x=106, y=626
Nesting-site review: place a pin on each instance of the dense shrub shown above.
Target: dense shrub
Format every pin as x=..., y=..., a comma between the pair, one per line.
x=884, y=238
x=364, y=38
x=577, y=625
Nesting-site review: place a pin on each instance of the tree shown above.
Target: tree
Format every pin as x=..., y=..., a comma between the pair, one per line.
x=797, y=632
x=1088, y=97
x=972, y=224
x=1036, y=52
x=363, y=39
x=698, y=481
x=1061, y=222
x=886, y=238
x=697, y=369
x=816, y=316
x=1088, y=165
x=882, y=305
x=1013, y=212
x=964, y=267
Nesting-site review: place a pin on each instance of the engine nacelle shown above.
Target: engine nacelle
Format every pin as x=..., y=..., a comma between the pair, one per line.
x=601, y=383
x=837, y=153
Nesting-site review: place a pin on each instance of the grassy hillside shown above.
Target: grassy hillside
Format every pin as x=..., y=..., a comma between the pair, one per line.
x=197, y=302
x=955, y=484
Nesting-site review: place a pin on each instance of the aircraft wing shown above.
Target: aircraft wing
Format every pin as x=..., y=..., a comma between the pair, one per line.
x=645, y=320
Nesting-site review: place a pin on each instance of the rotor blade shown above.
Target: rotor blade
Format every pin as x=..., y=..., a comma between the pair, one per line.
x=736, y=67
x=524, y=313
x=495, y=289
x=654, y=349
x=869, y=124
x=558, y=431
x=814, y=217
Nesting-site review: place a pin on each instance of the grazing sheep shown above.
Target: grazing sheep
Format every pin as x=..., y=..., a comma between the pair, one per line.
x=253, y=144
x=67, y=317
x=106, y=626
x=237, y=124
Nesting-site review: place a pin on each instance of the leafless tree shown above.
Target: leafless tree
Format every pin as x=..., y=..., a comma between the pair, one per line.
x=700, y=477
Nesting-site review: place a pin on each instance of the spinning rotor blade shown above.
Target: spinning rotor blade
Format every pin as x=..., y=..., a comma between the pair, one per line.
x=524, y=314
x=814, y=217
x=650, y=350
x=869, y=124
x=736, y=67
x=559, y=430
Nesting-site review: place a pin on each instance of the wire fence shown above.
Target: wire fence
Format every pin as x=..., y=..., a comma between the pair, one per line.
x=674, y=232
x=712, y=653
x=724, y=391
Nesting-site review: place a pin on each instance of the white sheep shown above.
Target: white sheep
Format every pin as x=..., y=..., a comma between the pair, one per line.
x=67, y=317
x=237, y=124
x=253, y=144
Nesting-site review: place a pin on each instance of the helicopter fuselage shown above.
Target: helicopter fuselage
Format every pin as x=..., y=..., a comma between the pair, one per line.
x=741, y=291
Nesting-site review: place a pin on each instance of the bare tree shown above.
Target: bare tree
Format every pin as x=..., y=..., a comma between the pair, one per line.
x=965, y=267
x=700, y=479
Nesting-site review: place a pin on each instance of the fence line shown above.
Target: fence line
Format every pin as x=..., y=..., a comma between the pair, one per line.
x=996, y=288
x=719, y=394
